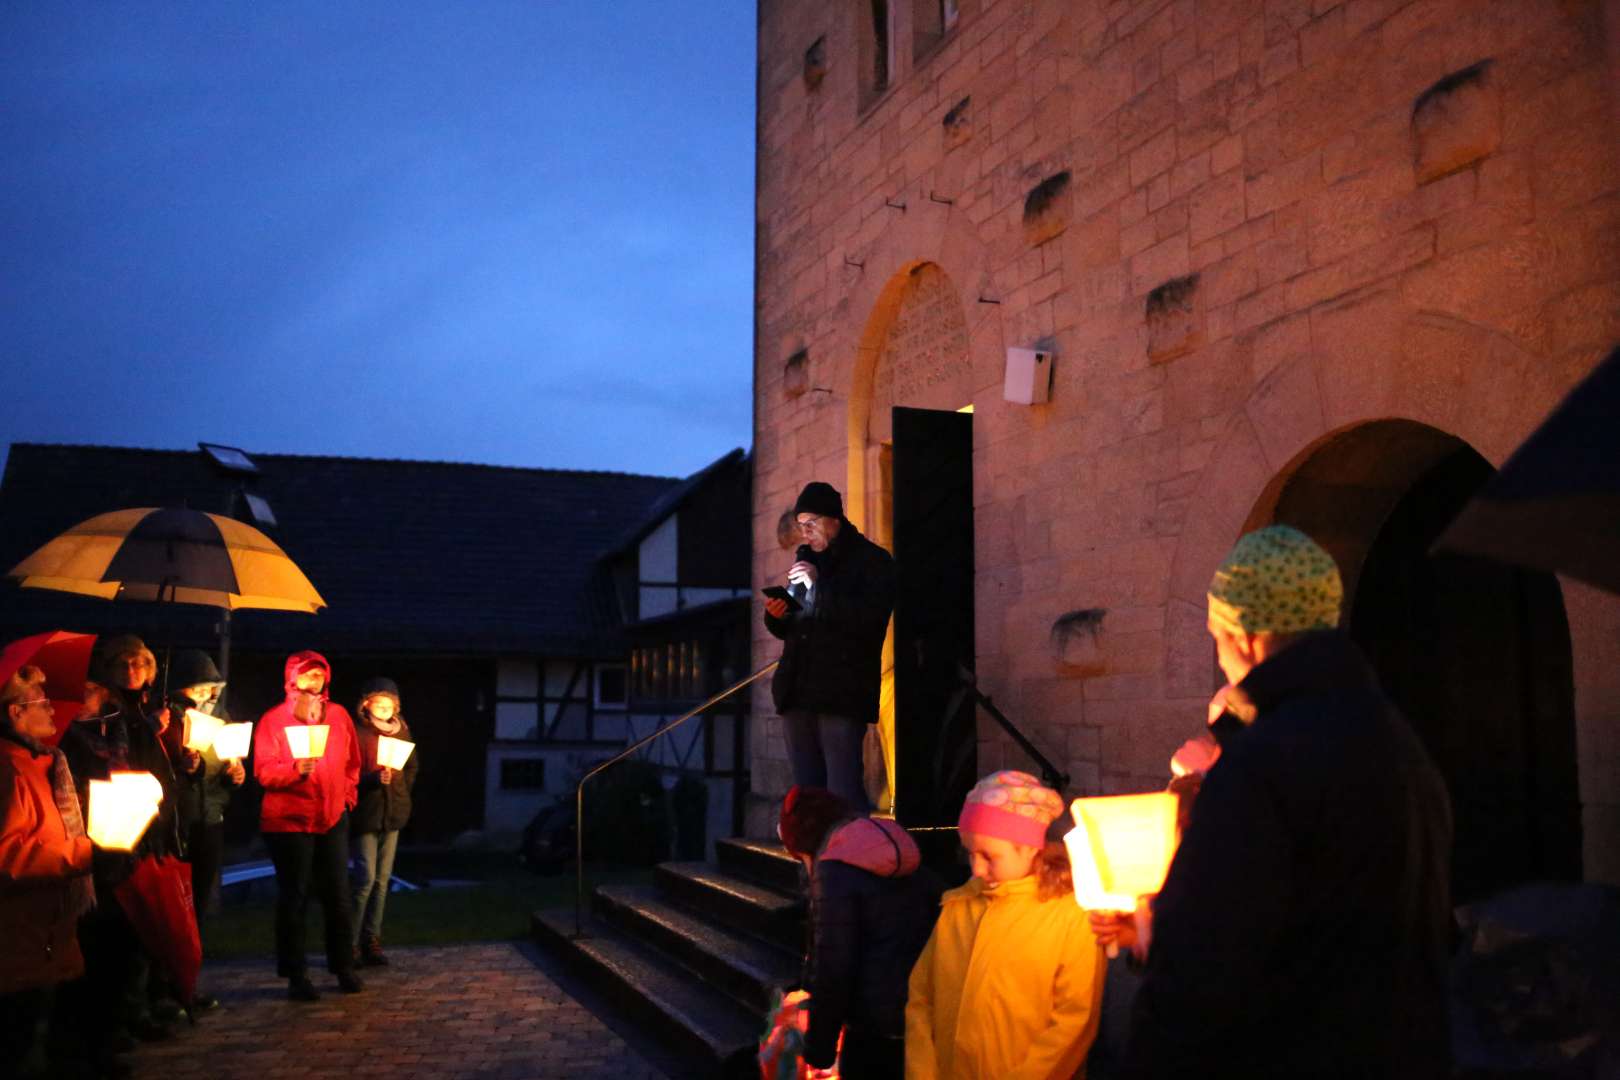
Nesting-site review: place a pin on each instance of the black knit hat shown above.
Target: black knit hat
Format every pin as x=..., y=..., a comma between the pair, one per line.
x=820, y=498
x=192, y=667
x=372, y=687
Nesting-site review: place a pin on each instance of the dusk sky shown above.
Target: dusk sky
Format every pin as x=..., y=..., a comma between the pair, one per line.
x=516, y=233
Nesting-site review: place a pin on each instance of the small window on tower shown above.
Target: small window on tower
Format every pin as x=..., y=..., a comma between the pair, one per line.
x=931, y=20
x=877, y=49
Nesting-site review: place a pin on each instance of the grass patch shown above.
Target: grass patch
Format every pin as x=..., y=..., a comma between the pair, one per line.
x=495, y=907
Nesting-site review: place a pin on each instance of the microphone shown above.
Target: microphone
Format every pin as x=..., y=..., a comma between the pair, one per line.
x=797, y=589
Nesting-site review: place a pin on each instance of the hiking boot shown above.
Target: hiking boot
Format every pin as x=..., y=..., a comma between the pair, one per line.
x=299, y=988
x=349, y=982
x=371, y=954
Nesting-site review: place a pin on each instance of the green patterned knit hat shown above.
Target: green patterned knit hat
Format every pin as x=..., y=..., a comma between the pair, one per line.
x=1277, y=580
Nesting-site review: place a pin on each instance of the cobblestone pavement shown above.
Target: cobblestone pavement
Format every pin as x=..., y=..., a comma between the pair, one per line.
x=484, y=1011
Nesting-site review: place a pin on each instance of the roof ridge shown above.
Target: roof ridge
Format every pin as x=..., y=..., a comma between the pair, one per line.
x=266, y=455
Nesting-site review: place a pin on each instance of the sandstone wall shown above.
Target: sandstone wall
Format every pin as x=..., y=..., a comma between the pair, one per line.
x=1243, y=226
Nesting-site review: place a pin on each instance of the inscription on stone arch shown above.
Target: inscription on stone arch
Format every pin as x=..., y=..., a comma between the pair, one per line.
x=924, y=363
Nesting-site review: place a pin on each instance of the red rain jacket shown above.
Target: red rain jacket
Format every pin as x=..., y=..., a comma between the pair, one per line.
x=293, y=802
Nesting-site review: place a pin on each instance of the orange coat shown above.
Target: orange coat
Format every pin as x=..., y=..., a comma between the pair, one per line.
x=38, y=862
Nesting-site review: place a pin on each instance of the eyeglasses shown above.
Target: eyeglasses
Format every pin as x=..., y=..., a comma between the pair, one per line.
x=814, y=524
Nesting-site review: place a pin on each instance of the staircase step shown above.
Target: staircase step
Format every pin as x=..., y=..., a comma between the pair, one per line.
x=735, y=902
x=763, y=863
x=696, y=1020
x=745, y=968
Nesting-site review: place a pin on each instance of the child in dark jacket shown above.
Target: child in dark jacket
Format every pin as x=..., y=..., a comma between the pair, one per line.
x=871, y=910
x=385, y=807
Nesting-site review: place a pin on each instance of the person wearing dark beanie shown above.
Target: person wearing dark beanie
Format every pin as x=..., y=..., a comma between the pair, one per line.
x=819, y=498
x=872, y=909
x=826, y=686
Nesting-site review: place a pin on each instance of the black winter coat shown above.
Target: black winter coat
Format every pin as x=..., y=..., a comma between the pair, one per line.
x=382, y=807
x=125, y=738
x=1304, y=926
x=832, y=654
x=866, y=933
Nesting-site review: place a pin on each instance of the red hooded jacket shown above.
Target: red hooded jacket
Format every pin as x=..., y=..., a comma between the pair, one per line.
x=294, y=802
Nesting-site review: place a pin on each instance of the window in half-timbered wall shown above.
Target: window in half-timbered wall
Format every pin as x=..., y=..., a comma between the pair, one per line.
x=546, y=699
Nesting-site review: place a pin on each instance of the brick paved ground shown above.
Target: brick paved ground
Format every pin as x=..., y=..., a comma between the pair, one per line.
x=484, y=1011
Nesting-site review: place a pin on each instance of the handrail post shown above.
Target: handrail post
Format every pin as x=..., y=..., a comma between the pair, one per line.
x=579, y=792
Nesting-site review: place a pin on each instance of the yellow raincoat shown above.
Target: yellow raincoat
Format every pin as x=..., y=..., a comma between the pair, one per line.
x=1008, y=988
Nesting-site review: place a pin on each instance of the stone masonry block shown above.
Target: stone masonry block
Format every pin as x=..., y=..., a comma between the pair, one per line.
x=796, y=374
x=1164, y=260
x=1173, y=319
x=815, y=63
x=1077, y=642
x=1048, y=208
x=1216, y=207
x=1456, y=122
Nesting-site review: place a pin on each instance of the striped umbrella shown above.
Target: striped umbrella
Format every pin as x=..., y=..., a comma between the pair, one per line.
x=184, y=556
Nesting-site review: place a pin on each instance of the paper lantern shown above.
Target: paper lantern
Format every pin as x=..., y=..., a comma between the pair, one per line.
x=144, y=783
x=200, y=730
x=121, y=808
x=232, y=742
x=1120, y=848
x=307, y=740
x=393, y=753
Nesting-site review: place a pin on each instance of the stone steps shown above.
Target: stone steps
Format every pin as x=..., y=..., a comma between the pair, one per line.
x=701, y=1024
x=697, y=956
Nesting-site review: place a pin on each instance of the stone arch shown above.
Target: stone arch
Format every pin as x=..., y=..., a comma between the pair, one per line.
x=1383, y=415
x=1367, y=359
x=931, y=239
x=925, y=305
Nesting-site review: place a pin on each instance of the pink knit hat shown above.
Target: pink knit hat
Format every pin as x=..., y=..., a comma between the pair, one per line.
x=1012, y=806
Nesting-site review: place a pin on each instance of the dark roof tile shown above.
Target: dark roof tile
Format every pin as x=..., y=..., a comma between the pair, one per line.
x=410, y=555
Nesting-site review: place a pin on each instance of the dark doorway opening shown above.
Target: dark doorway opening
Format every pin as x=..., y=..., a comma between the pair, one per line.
x=935, y=739
x=1475, y=653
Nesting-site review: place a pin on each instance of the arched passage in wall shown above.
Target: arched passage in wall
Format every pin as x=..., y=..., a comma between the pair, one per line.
x=1477, y=654
x=911, y=474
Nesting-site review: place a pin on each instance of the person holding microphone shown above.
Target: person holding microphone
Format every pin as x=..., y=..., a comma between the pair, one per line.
x=831, y=620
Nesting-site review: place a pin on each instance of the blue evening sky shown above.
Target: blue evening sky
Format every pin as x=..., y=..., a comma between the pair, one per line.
x=507, y=232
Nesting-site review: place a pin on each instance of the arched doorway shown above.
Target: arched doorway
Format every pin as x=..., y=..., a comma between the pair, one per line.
x=911, y=476
x=1477, y=654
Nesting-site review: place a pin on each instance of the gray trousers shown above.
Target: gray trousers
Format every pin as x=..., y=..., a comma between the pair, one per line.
x=825, y=751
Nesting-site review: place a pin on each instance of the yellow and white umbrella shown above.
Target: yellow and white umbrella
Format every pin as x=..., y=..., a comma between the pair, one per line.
x=183, y=556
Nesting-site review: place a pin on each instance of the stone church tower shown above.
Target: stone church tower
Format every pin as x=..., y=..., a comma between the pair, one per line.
x=1324, y=262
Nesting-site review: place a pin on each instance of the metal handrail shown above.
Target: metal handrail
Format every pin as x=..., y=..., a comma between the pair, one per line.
x=579, y=792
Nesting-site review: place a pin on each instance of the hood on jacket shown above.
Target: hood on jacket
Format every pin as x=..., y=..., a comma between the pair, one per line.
x=300, y=662
x=876, y=845
x=192, y=667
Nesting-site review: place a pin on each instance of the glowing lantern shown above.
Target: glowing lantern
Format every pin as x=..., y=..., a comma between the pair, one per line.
x=232, y=742
x=142, y=782
x=393, y=753
x=1120, y=848
x=121, y=808
x=307, y=740
x=201, y=730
